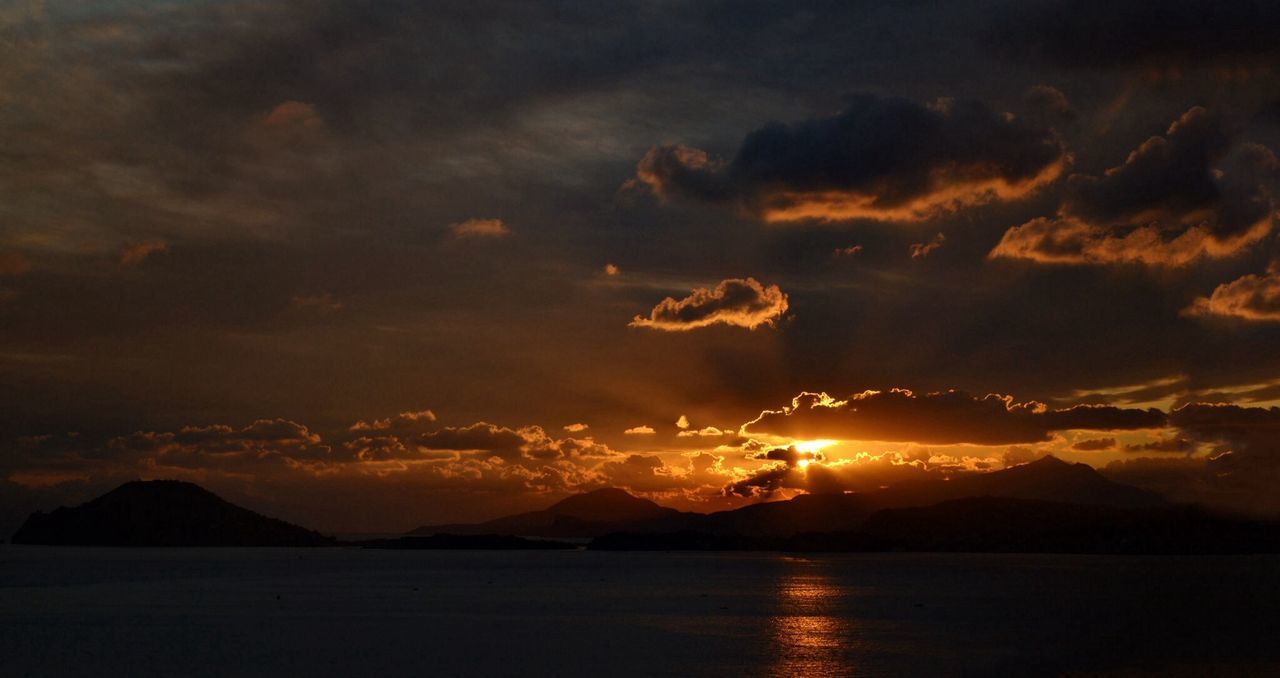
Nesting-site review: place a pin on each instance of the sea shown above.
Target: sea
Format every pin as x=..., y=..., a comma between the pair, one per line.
x=68, y=611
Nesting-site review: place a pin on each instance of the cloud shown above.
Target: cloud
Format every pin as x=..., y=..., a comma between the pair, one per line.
x=612, y=270
x=1177, y=198
x=1240, y=472
x=479, y=228
x=639, y=431
x=921, y=250
x=682, y=422
x=253, y=448
x=1095, y=444
x=1049, y=102
x=1172, y=444
x=881, y=158
x=943, y=418
x=1252, y=297
x=405, y=422
x=576, y=428
x=738, y=302
x=705, y=432
x=293, y=114
x=848, y=251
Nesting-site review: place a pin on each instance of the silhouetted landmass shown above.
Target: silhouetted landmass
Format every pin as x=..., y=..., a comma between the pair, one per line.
x=992, y=524
x=612, y=511
x=584, y=515
x=162, y=513
x=998, y=525
x=487, y=542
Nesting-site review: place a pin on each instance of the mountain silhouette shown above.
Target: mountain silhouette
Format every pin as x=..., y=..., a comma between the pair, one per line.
x=583, y=515
x=162, y=513
x=1047, y=479
x=601, y=512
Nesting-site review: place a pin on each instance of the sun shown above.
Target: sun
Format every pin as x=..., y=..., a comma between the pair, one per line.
x=802, y=463
x=813, y=445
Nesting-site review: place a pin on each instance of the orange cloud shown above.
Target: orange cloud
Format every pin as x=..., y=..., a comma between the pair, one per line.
x=479, y=228
x=1252, y=297
x=293, y=114
x=739, y=302
x=1175, y=199
x=921, y=250
x=1070, y=241
x=941, y=418
x=639, y=431
x=132, y=254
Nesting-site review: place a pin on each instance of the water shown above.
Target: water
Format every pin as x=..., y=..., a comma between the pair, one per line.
x=70, y=611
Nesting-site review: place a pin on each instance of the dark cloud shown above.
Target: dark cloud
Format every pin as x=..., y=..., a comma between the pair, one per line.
x=1150, y=33
x=761, y=483
x=790, y=455
x=949, y=417
x=881, y=158
x=740, y=302
x=1175, y=199
x=1095, y=444
x=1173, y=444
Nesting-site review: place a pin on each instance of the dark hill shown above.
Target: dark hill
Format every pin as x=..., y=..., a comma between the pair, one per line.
x=584, y=515
x=161, y=513
x=1047, y=479
x=601, y=512
x=996, y=524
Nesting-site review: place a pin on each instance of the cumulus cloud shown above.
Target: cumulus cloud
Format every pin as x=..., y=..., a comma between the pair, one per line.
x=705, y=432
x=479, y=228
x=639, y=431
x=881, y=158
x=949, y=417
x=400, y=423
x=135, y=253
x=576, y=427
x=259, y=445
x=738, y=302
x=921, y=250
x=1252, y=297
x=682, y=422
x=1177, y=198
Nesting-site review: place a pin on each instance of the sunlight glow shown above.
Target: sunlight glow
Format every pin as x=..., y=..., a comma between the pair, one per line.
x=813, y=445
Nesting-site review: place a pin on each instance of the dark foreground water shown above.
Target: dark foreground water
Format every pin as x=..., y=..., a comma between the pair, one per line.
x=339, y=612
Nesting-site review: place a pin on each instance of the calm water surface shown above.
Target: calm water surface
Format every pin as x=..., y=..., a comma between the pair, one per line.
x=70, y=611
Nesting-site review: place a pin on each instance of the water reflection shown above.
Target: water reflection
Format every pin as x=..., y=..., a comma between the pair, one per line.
x=810, y=637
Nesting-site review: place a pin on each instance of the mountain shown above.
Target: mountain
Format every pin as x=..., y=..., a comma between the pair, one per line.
x=161, y=513
x=997, y=525
x=994, y=524
x=584, y=515
x=612, y=510
x=1047, y=479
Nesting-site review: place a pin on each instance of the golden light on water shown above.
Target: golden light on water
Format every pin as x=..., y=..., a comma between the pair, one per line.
x=808, y=633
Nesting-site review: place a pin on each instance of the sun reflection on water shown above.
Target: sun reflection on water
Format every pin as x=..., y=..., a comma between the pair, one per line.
x=809, y=637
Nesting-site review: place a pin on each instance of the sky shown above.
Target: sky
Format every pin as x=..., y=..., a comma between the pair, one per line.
x=366, y=266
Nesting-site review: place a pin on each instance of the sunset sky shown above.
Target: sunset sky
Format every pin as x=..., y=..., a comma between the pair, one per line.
x=366, y=266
